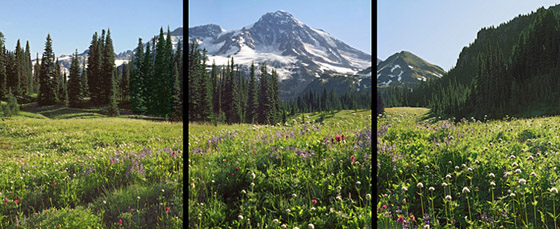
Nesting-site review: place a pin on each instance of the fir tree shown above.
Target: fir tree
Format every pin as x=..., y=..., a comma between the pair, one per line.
x=148, y=76
x=46, y=89
x=3, y=75
x=108, y=68
x=125, y=83
x=137, y=102
x=252, y=100
x=177, y=114
x=74, y=90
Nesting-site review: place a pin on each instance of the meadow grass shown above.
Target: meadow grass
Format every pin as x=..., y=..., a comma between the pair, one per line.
x=466, y=173
x=77, y=168
x=285, y=175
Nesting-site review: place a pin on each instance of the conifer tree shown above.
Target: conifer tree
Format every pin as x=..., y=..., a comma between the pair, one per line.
x=46, y=89
x=3, y=76
x=28, y=69
x=66, y=101
x=252, y=100
x=84, y=82
x=137, y=102
x=36, y=71
x=108, y=68
x=177, y=113
x=93, y=66
x=21, y=85
x=125, y=83
x=148, y=76
x=112, y=108
x=161, y=85
x=74, y=90
x=59, y=87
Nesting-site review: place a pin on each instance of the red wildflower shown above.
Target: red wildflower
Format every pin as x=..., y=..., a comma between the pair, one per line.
x=236, y=169
x=342, y=136
x=163, y=158
x=383, y=207
x=167, y=209
x=453, y=220
x=233, y=174
x=352, y=158
x=120, y=221
x=6, y=200
x=54, y=183
x=332, y=140
x=179, y=151
x=338, y=138
x=16, y=201
x=314, y=201
x=105, y=167
x=413, y=218
x=112, y=161
x=400, y=219
x=131, y=209
x=286, y=136
x=97, y=210
x=254, y=152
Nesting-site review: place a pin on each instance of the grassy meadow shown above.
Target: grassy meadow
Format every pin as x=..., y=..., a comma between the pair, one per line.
x=77, y=168
x=303, y=173
x=466, y=173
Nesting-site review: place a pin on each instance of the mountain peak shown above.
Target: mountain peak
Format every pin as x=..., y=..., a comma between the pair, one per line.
x=405, y=68
x=279, y=17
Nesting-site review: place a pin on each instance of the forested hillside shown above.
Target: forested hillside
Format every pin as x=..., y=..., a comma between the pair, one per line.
x=512, y=69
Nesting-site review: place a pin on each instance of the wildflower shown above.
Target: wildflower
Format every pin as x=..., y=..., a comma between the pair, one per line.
x=512, y=156
x=54, y=183
x=338, y=138
x=368, y=196
x=518, y=170
x=432, y=189
x=342, y=136
x=450, y=162
x=275, y=221
x=240, y=217
x=338, y=197
x=104, y=167
x=512, y=195
x=404, y=189
x=444, y=184
x=253, y=175
x=383, y=207
x=514, y=164
x=340, y=188
x=283, y=226
x=296, y=228
x=213, y=181
x=400, y=219
x=477, y=162
x=294, y=195
x=448, y=197
x=332, y=140
x=233, y=174
x=311, y=225
x=448, y=176
x=492, y=183
x=131, y=210
x=492, y=175
x=166, y=209
x=104, y=202
x=420, y=185
x=529, y=158
x=522, y=181
x=288, y=210
x=456, y=167
x=162, y=190
x=16, y=201
x=243, y=191
x=427, y=226
x=254, y=152
x=138, y=197
x=506, y=174
x=312, y=208
x=469, y=169
x=252, y=184
x=358, y=182
x=314, y=201
x=466, y=190
x=352, y=158
x=413, y=218
x=554, y=190
x=464, y=166
x=236, y=169
x=120, y=221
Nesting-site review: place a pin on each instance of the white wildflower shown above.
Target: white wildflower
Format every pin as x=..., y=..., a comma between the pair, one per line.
x=491, y=175
x=444, y=184
x=431, y=189
x=466, y=190
x=420, y=185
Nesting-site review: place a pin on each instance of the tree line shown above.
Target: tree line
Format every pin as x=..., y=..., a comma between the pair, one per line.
x=510, y=70
x=150, y=84
x=223, y=94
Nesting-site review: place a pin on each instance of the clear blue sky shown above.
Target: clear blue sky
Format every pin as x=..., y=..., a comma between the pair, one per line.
x=72, y=23
x=348, y=21
x=437, y=30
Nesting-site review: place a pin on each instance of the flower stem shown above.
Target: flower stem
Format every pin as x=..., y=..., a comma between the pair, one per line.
x=422, y=204
x=469, y=205
x=554, y=210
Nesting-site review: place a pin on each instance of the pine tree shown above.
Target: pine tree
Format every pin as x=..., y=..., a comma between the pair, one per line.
x=46, y=89
x=125, y=83
x=74, y=90
x=177, y=114
x=108, y=68
x=28, y=69
x=112, y=108
x=252, y=101
x=3, y=76
x=215, y=91
x=161, y=89
x=84, y=82
x=65, y=101
x=137, y=86
x=93, y=66
x=21, y=85
x=148, y=78
x=275, y=103
x=36, y=71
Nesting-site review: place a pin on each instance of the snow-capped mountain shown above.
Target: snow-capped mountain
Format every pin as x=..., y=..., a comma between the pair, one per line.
x=124, y=57
x=405, y=68
x=298, y=52
x=378, y=61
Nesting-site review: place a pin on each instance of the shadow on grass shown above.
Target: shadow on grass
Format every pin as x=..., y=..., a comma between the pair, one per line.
x=68, y=113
